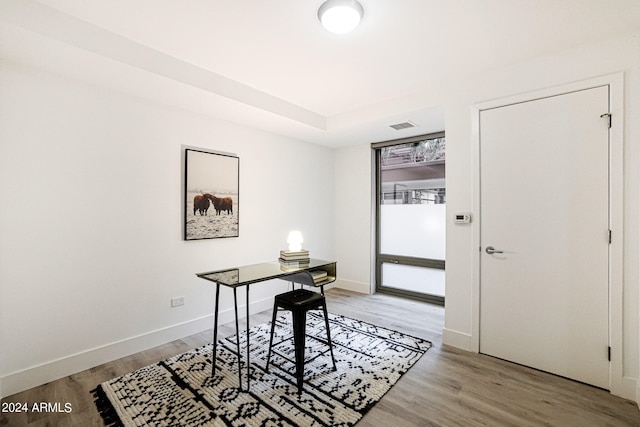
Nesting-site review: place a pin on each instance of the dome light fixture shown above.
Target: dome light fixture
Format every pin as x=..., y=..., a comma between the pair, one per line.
x=340, y=16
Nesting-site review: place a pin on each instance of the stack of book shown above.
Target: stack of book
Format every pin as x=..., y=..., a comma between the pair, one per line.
x=294, y=259
x=319, y=276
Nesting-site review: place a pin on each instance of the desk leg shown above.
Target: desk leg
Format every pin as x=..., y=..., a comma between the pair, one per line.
x=248, y=341
x=235, y=303
x=215, y=331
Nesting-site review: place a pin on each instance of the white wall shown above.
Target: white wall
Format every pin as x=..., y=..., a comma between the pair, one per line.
x=353, y=214
x=458, y=99
x=91, y=248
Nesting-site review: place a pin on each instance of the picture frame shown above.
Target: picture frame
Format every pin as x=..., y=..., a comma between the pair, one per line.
x=211, y=195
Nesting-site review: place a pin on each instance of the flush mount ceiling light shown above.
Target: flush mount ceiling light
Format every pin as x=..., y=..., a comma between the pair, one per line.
x=340, y=16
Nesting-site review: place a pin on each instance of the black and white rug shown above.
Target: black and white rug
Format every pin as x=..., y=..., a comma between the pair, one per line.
x=181, y=392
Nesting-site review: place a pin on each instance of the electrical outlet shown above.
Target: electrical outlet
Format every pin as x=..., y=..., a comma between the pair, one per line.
x=177, y=302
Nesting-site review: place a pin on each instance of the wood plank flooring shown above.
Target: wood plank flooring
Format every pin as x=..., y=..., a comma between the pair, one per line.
x=447, y=387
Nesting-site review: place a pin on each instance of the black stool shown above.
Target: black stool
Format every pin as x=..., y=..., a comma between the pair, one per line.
x=299, y=301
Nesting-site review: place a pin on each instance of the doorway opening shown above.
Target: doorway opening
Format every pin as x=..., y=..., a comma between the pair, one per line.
x=410, y=217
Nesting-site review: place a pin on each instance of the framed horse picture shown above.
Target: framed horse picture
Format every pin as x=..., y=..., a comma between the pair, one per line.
x=211, y=195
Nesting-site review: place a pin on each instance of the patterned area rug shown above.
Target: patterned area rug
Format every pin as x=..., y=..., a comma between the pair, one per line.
x=181, y=392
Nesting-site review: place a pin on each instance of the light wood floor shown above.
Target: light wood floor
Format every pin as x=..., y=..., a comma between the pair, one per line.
x=446, y=387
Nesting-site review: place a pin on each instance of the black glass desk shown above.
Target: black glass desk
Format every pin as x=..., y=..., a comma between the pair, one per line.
x=248, y=275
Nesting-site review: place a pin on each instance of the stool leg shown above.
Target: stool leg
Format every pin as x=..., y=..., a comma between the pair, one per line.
x=326, y=325
x=273, y=327
x=299, y=325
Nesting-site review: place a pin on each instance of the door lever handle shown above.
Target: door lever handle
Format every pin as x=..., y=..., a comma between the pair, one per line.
x=491, y=250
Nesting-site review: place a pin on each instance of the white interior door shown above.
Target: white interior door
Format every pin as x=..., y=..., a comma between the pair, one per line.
x=544, y=201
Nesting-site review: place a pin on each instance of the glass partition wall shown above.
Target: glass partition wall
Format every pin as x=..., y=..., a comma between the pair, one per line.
x=410, y=217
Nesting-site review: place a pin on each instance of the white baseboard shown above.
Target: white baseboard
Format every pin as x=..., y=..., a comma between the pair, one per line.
x=636, y=386
x=457, y=339
x=55, y=369
x=626, y=387
x=363, y=288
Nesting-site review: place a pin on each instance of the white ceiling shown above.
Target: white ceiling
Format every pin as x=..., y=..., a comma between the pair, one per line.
x=271, y=65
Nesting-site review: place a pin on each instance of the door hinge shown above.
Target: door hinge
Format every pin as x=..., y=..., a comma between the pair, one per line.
x=609, y=236
x=608, y=116
x=609, y=354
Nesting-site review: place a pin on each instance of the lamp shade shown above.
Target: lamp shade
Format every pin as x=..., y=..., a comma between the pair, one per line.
x=340, y=16
x=295, y=240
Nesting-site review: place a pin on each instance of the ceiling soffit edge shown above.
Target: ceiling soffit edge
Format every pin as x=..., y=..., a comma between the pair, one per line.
x=62, y=27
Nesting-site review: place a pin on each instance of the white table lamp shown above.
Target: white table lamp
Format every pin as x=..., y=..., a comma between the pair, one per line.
x=295, y=240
